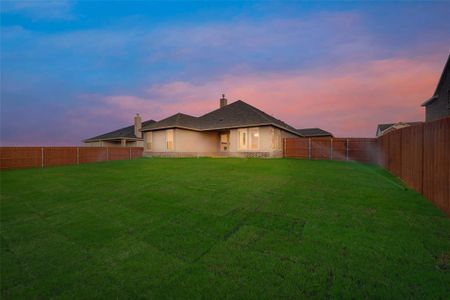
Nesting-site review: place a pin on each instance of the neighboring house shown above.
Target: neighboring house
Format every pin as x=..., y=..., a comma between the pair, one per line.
x=438, y=106
x=314, y=132
x=385, y=128
x=236, y=129
x=130, y=136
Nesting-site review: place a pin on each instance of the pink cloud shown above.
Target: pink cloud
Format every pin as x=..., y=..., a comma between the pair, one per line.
x=348, y=100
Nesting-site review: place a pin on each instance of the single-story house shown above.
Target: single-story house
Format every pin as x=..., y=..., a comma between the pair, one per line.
x=438, y=106
x=385, y=128
x=130, y=136
x=236, y=129
x=314, y=132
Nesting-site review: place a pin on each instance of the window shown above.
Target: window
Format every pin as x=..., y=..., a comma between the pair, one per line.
x=276, y=139
x=242, y=139
x=148, y=140
x=169, y=139
x=254, y=138
x=248, y=139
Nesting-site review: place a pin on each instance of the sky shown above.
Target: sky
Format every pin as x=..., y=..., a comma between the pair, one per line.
x=71, y=70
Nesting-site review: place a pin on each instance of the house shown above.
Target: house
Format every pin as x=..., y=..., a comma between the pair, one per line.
x=314, y=132
x=236, y=129
x=385, y=128
x=130, y=136
x=438, y=106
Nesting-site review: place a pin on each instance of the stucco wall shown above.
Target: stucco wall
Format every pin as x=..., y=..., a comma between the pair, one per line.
x=158, y=140
x=194, y=141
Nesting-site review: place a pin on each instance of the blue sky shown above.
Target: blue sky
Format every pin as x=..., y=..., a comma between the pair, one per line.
x=71, y=70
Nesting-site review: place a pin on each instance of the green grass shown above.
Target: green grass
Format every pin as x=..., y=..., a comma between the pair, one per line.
x=219, y=228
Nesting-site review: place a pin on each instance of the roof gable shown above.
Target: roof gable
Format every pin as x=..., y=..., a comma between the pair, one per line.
x=444, y=75
x=125, y=132
x=233, y=115
x=311, y=132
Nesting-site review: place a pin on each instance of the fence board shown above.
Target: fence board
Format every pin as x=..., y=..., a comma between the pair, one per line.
x=59, y=156
x=436, y=166
x=320, y=148
x=92, y=154
x=20, y=157
x=412, y=156
x=118, y=154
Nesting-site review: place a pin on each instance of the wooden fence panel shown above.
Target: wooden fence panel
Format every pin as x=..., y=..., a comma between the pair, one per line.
x=297, y=148
x=357, y=149
x=92, y=154
x=363, y=150
x=136, y=152
x=436, y=166
x=20, y=157
x=59, y=156
x=394, y=159
x=118, y=153
x=339, y=149
x=320, y=148
x=29, y=157
x=412, y=156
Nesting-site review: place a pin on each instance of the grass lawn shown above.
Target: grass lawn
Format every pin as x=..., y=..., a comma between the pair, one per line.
x=219, y=228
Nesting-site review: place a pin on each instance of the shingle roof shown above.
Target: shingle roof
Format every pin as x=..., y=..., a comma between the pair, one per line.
x=311, y=132
x=234, y=115
x=126, y=132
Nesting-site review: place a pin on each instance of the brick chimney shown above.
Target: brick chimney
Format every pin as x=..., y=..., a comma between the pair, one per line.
x=223, y=101
x=137, y=126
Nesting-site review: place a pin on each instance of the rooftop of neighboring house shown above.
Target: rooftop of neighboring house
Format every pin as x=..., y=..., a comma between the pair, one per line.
x=383, y=127
x=314, y=132
x=122, y=133
x=234, y=115
x=440, y=83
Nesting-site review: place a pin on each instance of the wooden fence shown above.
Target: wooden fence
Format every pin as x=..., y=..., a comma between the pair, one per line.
x=420, y=156
x=355, y=149
x=40, y=157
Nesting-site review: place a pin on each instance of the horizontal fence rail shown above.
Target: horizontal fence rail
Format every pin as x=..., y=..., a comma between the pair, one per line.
x=354, y=149
x=40, y=157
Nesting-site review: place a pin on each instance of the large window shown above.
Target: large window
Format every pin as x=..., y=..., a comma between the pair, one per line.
x=169, y=139
x=276, y=139
x=248, y=139
x=148, y=140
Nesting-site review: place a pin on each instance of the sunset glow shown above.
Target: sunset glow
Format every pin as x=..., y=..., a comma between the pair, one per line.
x=78, y=69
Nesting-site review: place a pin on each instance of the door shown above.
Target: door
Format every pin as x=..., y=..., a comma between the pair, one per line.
x=224, y=142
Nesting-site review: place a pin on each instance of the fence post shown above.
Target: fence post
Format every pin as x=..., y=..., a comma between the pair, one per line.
x=129, y=150
x=78, y=155
x=309, y=148
x=42, y=157
x=346, y=149
x=107, y=153
x=331, y=148
x=284, y=147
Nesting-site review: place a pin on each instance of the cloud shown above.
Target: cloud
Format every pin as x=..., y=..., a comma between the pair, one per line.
x=349, y=99
x=41, y=9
